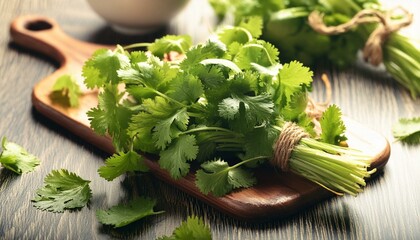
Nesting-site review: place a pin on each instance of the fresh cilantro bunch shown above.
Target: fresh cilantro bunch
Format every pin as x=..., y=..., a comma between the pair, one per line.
x=216, y=111
x=286, y=26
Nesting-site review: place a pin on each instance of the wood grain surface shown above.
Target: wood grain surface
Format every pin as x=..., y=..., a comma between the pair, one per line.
x=388, y=209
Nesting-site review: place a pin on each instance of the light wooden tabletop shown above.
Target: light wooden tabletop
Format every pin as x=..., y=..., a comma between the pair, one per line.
x=389, y=208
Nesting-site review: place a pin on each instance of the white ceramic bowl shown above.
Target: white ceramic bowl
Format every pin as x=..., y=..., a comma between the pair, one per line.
x=137, y=16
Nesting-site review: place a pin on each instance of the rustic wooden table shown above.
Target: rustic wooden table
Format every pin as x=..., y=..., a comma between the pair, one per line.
x=388, y=209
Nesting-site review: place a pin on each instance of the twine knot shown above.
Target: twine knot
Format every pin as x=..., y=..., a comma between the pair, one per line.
x=372, y=51
x=289, y=137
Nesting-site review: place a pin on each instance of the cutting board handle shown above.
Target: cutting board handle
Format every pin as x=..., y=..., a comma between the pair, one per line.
x=43, y=35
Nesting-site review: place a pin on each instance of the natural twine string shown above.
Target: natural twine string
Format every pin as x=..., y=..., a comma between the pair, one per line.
x=372, y=51
x=283, y=148
x=291, y=133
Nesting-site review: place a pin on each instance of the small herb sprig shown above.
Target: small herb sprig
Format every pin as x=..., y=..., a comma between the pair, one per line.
x=221, y=106
x=15, y=158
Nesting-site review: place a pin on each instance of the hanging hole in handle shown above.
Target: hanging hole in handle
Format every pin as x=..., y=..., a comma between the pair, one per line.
x=38, y=25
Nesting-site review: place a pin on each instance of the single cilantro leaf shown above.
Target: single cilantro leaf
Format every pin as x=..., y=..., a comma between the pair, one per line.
x=211, y=77
x=160, y=120
x=219, y=178
x=332, y=126
x=122, y=215
x=62, y=190
x=121, y=163
x=168, y=43
x=67, y=87
x=248, y=110
x=246, y=83
x=137, y=56
x=193, y=228
x=103, y=67
x=293, y=77
x=16, y=158
x=254, y=53
x=175, y=158
x=253, y=24
x=230, y=34
x=166, y=129
x=111, y=117
x=296, y=106
x=153, y=73
x=186, y=88
x=200, y=52
x=407, y=130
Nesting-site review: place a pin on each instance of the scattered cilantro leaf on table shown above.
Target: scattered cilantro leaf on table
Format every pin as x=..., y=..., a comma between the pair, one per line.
x=66, y=86
x=191, y=229
x=122, y=215
x=62, y=190
x=16, y=158
x=407, y=130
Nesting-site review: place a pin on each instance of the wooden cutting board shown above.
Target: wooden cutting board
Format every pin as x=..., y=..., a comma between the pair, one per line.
x=277, y=195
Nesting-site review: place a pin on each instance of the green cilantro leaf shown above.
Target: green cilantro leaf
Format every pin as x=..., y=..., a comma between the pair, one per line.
x=122, y=215
x=295, y=107
x=219, y=178
x=186, y=88
x=193, y=228
x=332, y=126
x=154, y=74
x=200, y=52
x=111, y=117
x=168, y=43
x=16, y=158
x=167, y=129
x=121, y=163
x=293, y=77
x=229, y=35
x=62, y=190
x=265, y=137
x=253, y=24
x=254, y=53
x=174, y=158
x=66, y=86
x=407, y=130
x=246, y=111
x=103, y=67
x=160, y=119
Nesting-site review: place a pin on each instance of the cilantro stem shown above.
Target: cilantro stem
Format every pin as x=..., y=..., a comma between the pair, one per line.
x=334, y=168
x=247, y=161
x=205, y=128
x=244, y=30
x=137, y=45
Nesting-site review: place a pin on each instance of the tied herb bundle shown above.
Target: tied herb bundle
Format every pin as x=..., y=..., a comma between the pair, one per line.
x=335, y=30
x=221, y=106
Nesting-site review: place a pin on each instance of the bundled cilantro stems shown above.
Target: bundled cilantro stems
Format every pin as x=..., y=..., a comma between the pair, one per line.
x=286, y=26
x=218, y=108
